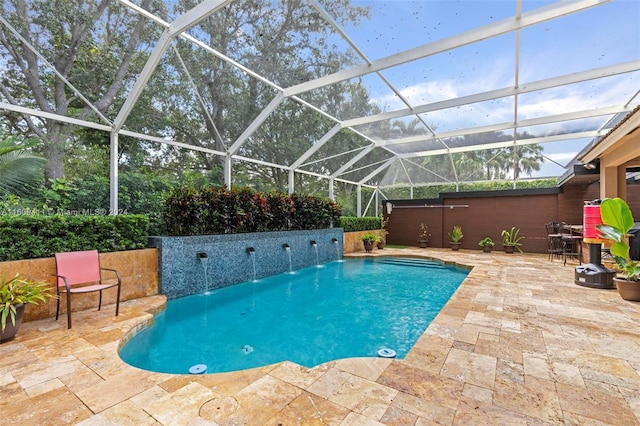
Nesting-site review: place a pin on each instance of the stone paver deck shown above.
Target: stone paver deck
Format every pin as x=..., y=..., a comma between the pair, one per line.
x=518, y=344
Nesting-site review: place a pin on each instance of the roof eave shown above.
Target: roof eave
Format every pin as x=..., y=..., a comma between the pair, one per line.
x=627, y=126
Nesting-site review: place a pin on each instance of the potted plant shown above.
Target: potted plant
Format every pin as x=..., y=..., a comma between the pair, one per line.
x=511, y=240
x=487, y=244
x=382, y=233
x=369, y=239
x=456, y=236
x=617, y=221
x=15, y=293
x=423, y=236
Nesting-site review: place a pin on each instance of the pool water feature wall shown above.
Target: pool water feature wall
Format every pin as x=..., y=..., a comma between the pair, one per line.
x=180, y=272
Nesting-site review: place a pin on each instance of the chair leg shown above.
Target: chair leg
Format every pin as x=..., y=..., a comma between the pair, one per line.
x=100, y=300
x=68, y=310
x=58, y=306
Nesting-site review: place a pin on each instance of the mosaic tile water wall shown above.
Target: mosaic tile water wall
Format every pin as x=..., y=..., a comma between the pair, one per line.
x=183, y=266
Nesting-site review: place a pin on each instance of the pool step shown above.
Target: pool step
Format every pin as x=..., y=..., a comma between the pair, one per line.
x=412, y=262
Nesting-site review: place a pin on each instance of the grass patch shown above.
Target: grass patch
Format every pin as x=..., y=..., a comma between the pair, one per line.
x=396, y=246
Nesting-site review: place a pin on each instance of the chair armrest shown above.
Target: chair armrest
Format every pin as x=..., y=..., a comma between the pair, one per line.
x=113, y=270
x=66, y=281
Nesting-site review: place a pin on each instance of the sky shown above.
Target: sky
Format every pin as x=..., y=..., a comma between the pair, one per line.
x=596, y=37
x=593, y=38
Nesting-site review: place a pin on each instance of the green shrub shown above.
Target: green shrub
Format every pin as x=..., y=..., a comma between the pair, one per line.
x=281, y=208
x=138, y=193
x=217, y=210
x=312, y=212
x=30, y=237
x=353, y=224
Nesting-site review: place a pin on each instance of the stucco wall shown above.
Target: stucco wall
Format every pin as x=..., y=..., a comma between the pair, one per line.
x=352, y=241
x=138, y=269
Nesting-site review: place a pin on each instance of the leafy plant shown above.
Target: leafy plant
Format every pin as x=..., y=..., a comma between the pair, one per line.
x=16, y=291
x=424, y=232
x=20, y=170
x=512, y=238
x=370, y=238
x=217, y=210
x=456, y=234
x=617, y=222
x=486, y=241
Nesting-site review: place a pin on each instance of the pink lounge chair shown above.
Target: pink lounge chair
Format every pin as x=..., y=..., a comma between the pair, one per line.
x=80, y=272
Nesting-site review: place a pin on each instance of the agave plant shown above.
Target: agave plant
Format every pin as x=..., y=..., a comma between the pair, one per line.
x=456, y=234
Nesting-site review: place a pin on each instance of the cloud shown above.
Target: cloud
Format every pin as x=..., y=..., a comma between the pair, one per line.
x=586, y=95
x=562, y=157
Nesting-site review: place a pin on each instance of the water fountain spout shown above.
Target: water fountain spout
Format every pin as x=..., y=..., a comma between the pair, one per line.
x=203, y=260
x=252, y=252
x=287, y=248
x=337, y=246
x=315, y=247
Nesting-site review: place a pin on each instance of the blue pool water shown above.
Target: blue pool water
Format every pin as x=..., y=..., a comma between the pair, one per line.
x=342, y=309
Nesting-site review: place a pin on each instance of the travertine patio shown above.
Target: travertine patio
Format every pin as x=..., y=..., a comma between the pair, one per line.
x=518, y=344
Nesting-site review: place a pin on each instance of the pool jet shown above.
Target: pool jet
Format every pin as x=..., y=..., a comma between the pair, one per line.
x=203, y=260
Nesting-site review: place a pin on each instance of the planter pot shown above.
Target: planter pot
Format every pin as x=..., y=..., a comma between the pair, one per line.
x=486, y=249
x=509, y=248
x=368, y=246
x=455, y=246
x=10, y=330
x=423, y=243
x=381, y=245
x=628, y=290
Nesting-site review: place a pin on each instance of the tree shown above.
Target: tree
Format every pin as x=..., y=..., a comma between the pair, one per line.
x=98, y=45
x=526, y=159
x=20, y=170
x=486, y=164
x=286, y=41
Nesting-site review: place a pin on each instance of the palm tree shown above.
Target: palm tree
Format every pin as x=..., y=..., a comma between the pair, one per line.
x=19, y=168
x=527, y=159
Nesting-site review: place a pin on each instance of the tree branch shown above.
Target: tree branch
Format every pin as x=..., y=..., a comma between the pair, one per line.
x=103, y=103
x=28, y=63
x=27, y=119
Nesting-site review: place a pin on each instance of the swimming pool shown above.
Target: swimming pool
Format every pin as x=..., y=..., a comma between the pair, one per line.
x=343, y=309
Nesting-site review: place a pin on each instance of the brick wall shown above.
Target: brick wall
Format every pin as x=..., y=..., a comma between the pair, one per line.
x=488, y=215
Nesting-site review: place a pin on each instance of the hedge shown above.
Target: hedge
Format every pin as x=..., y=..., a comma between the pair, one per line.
x=217, y=210
x=30, y=237
x=352, y=224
